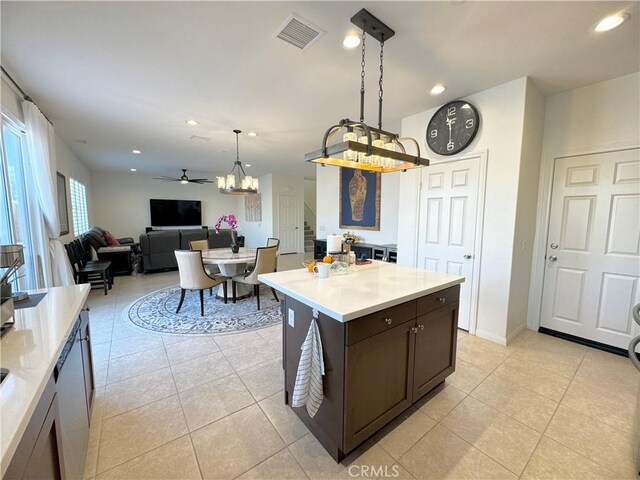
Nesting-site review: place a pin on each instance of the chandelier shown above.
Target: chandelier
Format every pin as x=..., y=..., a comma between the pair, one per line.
x=237, y=182
x=365, y=147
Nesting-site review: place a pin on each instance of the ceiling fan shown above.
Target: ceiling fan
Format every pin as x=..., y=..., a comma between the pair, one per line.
x=183, y=179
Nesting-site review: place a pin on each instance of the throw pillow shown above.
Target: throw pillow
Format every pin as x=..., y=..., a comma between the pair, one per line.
x=96, y=239
x=110, y=239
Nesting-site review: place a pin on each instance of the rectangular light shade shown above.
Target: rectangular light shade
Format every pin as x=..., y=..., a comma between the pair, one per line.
x=400, y=161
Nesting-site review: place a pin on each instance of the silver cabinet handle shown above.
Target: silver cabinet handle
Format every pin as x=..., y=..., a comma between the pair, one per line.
x=414, y=329
x=388, y=320
x=421, y=327
x=553, y=258
x=442, y=299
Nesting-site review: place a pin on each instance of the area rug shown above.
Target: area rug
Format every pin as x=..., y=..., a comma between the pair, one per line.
x=157, y=312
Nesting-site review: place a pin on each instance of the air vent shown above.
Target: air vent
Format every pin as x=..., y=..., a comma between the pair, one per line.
x=200, y=138
x=298, y=32
x=80, y=140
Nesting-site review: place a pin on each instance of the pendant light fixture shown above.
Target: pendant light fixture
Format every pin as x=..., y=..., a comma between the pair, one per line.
x=237, y=182
x=364, y=147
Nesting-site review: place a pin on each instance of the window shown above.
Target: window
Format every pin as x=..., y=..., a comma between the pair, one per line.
x=79, y=207
x=14, y=209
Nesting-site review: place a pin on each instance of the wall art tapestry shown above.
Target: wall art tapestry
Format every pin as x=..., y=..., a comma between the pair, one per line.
x=359, y=199
x=253, y=208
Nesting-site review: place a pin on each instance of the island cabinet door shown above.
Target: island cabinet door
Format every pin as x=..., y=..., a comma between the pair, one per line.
x=435, y=350
x=378, y=382
x=87, y=362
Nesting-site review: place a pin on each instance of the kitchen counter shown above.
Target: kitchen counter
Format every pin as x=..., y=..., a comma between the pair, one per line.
x=371, y=288
x=30, y=352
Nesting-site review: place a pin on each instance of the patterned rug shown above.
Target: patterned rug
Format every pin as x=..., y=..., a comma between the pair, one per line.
x=157, y=312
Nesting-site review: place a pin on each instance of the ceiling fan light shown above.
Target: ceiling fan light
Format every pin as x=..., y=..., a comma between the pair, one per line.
x=184, y=182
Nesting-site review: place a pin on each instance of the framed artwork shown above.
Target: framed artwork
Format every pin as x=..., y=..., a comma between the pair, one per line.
x=359, y=199
x=63, y=212
x=253, y=208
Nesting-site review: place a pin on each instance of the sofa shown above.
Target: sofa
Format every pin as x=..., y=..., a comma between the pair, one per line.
x=122, y=256
x=158, y=245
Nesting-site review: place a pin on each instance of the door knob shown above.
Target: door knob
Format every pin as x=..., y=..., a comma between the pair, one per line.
x=467, y=256
x=553, y=258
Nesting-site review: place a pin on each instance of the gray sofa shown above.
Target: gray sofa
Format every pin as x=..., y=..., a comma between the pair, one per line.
x=158, y=245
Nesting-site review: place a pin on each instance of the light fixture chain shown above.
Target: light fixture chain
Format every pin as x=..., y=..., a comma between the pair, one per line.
x=362, y=64
x=380, y=83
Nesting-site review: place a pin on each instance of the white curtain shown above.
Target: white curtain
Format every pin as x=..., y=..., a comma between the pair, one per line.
x=53, y=264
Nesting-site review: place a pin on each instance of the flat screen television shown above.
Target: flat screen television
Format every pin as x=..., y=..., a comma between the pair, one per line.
x=175, y=213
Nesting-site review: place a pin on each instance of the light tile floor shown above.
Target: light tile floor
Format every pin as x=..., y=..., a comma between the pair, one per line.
x=210, y=407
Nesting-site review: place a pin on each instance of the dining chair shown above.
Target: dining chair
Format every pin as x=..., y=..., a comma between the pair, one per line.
x=274, y=242
x=200, y=245
x=265, y=263
x=193, y=276
x=94, y=273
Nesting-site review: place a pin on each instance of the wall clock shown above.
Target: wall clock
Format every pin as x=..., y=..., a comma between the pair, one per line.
x=453, y=127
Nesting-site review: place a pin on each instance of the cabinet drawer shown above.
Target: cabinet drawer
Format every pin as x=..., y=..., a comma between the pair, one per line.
x=378, y=322
x=439, y=299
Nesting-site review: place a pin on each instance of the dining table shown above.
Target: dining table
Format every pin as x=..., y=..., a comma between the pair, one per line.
x=231, y=264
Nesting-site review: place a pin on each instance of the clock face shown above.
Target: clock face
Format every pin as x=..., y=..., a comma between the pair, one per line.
x=452, y=128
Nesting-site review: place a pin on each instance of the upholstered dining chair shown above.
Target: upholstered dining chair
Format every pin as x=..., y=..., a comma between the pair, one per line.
x=194, y=277
x=274, y=242
x=265, y=263
x=199, y=245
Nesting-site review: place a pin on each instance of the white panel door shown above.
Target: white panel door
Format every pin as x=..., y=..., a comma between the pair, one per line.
x=447, y=229
x=288, y=223
x=593, y=249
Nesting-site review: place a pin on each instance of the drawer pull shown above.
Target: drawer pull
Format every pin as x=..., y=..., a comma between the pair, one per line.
x=414, y=329
x=388, y=320
x=442, y=299
x=421, y=327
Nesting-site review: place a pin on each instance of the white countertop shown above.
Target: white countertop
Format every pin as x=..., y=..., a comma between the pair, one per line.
x=373, y=287
x=30, y=351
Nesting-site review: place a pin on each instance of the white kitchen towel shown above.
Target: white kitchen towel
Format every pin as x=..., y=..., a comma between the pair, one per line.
x=308, y=387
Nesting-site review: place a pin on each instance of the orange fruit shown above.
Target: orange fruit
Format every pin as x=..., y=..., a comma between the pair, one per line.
x=310, y=266
x=327, y=259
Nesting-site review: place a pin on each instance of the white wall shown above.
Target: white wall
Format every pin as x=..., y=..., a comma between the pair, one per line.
x=594, y=118
x=256, y=233
x=120, y=201
x=525, y=226
x=10, y=100
x=70, y=166
x=310, y=206
x=500, y=136
x=328, y=207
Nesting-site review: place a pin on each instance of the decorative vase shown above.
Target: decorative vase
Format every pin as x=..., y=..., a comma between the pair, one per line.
x=235, y=248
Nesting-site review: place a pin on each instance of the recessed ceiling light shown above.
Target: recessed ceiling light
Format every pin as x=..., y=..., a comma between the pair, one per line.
x=136, y=152
x=252, y=134
x=193, y=123
x=133, y=169
x=350, y=41
x=437, y=89
x=610, y=22
x=247, y=164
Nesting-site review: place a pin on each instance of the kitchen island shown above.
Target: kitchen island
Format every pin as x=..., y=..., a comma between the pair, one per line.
x=388, y=337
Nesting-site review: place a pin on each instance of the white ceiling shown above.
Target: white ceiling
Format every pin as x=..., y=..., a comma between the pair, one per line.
x=125, y=75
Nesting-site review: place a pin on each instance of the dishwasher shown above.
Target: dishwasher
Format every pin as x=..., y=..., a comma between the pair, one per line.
x=634, y=359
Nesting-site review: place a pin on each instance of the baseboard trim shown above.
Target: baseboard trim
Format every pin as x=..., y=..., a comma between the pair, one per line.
x=491, y=336
x=515, y=333
x=584, y=341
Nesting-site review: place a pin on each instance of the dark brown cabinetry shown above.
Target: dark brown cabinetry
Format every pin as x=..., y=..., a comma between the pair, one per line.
x=55, y=441
x=376, y=366
x=39, y=453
